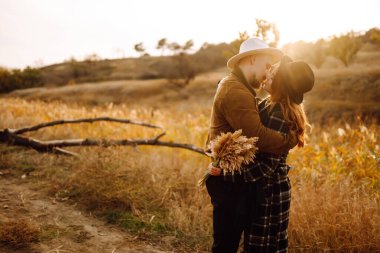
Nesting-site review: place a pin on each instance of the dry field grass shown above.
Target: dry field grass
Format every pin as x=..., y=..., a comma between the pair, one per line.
x=151, y=192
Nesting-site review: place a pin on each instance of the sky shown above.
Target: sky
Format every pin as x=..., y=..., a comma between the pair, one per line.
x=42, y=32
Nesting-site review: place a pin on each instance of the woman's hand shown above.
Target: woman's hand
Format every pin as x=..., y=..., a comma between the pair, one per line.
x=214, y=171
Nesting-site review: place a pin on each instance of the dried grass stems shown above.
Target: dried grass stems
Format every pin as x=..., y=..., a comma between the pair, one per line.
x=229, y=151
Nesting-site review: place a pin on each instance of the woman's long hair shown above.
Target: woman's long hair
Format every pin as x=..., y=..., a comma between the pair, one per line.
x=294, y=114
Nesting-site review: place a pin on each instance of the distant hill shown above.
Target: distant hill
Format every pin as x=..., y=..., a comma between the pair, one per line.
x=146, y=67
x=340, y=92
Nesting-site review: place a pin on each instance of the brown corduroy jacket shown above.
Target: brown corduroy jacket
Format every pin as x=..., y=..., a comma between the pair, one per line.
x=235, y=108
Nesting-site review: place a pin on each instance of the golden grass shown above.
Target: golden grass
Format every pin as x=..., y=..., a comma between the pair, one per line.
x=231, y=150
x=335, y=180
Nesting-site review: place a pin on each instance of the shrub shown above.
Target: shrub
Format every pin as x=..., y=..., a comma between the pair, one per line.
x=18, y=234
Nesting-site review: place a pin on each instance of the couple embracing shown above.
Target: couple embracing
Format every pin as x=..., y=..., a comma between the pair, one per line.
x=257, y=201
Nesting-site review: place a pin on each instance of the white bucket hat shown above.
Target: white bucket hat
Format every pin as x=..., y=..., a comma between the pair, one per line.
x=254, y=46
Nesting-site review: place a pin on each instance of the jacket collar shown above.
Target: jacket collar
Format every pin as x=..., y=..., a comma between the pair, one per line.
x=240, y=76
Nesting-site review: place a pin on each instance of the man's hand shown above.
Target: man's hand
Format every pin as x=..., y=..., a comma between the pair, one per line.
x=214, y=171
x=293, y=140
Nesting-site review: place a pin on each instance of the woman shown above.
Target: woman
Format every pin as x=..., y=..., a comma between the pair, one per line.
x=268, y=196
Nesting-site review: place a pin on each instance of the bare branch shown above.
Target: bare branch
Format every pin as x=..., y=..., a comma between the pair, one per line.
x=84, y=120
x=159, y=136
x=7, y=136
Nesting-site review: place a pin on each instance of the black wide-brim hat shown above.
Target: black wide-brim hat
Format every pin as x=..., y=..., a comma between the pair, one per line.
x=296, y=77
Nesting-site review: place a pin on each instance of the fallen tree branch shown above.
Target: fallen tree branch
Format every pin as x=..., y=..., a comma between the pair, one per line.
x=84, y=120
x=13, y=137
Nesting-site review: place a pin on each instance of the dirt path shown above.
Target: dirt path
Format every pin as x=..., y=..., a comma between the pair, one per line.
x=65, y=229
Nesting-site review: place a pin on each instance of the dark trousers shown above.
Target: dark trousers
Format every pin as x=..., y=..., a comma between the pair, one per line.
x=229, y=213
x=255, y=194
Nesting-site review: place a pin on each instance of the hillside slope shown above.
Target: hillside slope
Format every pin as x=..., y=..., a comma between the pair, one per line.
x=339, y=92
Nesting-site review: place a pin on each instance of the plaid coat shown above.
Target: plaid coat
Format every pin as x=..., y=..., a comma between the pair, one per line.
x=269, y=192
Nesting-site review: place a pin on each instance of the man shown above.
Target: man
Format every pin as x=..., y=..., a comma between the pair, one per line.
x=234, y=108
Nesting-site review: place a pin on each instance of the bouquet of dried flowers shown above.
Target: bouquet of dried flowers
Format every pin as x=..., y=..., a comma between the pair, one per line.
x=229, y=151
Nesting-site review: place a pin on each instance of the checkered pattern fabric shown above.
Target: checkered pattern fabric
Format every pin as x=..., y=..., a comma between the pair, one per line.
x=267, y=229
